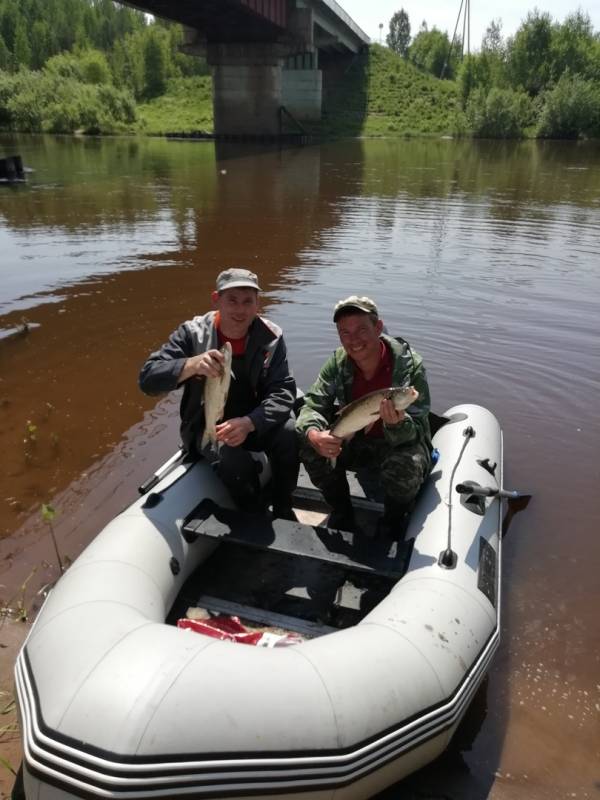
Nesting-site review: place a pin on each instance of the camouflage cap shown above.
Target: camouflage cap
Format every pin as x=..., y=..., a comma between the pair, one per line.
x=237, y=278
x=364, y=304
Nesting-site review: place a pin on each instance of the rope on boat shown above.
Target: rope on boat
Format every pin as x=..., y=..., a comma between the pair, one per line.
x=448, y=557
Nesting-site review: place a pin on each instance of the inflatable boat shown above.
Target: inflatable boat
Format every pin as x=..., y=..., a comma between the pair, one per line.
x=391, y=640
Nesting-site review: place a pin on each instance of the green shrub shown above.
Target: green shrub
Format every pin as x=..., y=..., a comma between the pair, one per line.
x=571, y=109
x=499, y=114
x=48, y=101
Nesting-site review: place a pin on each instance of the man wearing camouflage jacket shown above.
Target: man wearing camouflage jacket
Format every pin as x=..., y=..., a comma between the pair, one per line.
x=396, y=450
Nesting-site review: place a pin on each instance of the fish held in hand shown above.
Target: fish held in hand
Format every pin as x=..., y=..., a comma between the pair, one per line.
x=215, y=397
x=365, y=410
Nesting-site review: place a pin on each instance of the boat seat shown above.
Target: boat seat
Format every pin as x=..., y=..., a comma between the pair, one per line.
x=376, y=556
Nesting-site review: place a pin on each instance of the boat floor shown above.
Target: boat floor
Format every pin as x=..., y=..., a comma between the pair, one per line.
x=294, y=576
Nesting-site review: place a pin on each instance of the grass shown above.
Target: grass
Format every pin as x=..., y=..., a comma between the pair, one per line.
x=384, y=95
x=185, y=108
x=380, y=94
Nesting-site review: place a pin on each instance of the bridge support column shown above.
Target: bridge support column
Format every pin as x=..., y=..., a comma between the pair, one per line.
x=247, y=88
x=301, y=93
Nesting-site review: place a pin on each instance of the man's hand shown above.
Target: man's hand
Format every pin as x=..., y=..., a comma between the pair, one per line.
x=209, y=365
x=324, y=443
x=389, y=415
x=233, y=432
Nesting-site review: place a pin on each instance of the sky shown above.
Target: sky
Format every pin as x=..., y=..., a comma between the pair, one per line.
x=443, y=14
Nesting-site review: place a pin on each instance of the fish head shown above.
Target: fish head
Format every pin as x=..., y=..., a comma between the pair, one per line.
x=403, y=396
x=227, y=353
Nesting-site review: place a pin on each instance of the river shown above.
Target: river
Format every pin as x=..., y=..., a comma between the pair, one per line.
x=484, y=255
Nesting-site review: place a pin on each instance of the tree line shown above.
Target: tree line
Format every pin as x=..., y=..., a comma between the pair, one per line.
x=543, y=81
x=69, y=65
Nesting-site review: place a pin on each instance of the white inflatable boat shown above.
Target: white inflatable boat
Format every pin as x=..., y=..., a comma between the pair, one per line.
x=118, y=702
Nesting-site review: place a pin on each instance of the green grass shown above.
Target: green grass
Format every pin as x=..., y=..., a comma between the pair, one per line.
x=383, y=95
x=185, y=108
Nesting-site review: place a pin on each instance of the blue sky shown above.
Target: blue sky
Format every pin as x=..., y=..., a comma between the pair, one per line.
x=443, y=14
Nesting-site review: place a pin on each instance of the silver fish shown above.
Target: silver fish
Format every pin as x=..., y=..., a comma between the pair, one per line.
x=365, y=411
x=215, y=397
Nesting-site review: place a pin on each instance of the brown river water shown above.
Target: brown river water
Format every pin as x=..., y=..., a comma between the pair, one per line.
x=484, y=255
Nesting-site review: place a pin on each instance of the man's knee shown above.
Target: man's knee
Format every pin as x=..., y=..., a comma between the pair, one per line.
x=240, y=474
x=403, y=474
x=319, y=469
x=280, y=442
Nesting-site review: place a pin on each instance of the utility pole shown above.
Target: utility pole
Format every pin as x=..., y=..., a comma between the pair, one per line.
x=466, y=34
x=380, y=31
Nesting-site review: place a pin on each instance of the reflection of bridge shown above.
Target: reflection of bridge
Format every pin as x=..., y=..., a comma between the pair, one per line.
x=264, y=55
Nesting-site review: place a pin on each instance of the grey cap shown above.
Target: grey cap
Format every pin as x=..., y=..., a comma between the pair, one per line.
x=360, y=303
x=236, y=278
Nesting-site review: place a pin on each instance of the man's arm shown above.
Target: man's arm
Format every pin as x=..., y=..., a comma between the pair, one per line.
x=415, y=424
x=162, y=369
x=318, y=408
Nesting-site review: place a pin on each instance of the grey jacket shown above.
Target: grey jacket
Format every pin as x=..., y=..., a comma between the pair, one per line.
x=266, y=360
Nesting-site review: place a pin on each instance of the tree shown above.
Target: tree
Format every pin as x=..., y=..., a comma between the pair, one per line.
x=127, y=63
x=499, y=114
x=571, y=109
x=9, y=19
x=529, y=63
x=572, y=45
x=429, y=51
x=398, y=38
x=94, y=67
x=492, y=40
x=4, y=55
x=22, y=49
x=155, y=65
x=42, y=45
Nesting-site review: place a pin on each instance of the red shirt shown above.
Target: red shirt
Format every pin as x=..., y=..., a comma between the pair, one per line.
x=382, y=379
x=238, y=346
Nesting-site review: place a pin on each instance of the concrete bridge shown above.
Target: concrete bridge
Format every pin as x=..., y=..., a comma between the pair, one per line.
x=270, y=59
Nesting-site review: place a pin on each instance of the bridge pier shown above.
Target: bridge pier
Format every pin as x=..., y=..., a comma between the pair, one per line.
x=247, y=88
x=251, y=81
x=264, y=57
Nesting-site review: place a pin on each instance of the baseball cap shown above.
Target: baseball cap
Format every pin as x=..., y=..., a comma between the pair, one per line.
x=361, y=303
x=236, y=278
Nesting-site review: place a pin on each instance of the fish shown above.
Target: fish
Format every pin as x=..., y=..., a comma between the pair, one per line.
x=215, y=397
x=365, y=411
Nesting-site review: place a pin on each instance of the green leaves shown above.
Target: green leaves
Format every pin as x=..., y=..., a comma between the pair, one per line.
x=48, y=512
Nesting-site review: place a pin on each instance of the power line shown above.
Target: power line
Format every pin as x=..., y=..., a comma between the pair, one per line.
x=466, y=14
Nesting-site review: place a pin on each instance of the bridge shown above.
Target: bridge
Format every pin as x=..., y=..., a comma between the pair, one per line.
x=269, y=59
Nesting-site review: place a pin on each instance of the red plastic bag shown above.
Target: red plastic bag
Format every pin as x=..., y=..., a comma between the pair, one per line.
x=231, y=629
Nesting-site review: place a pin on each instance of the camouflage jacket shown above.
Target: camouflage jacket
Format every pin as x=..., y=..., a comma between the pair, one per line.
x=333, y=390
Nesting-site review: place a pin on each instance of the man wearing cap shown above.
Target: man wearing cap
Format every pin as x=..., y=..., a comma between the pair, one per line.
x=258, y=413
x=396, y=449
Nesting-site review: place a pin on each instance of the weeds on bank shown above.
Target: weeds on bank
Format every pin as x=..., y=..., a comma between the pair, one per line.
x=4, y=763
x=33, y=439
x=15, y=607
x=7, y=707
x=48, y=514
